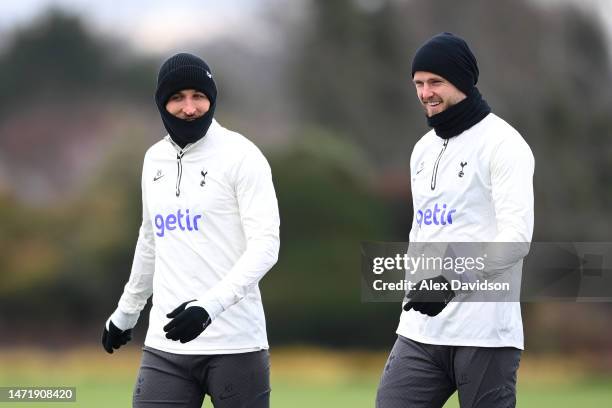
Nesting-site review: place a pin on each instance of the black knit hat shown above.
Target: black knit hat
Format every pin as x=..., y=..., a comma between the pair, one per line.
x=184, y=71
x=450, y=57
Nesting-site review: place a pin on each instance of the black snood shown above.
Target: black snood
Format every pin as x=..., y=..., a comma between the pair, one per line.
x=185, y=71
x=461, y=116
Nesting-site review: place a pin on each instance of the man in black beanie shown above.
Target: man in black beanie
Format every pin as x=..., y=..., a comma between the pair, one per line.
x=472, y=181
x=177, y=74
x=445, y=73
x=209, y=233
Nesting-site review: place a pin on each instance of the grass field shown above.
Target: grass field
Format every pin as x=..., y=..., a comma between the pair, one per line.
x=300, y=378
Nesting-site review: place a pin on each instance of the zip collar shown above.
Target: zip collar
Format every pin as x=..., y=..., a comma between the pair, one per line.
x=434, y=175
x=190, y=146
x=181, y=152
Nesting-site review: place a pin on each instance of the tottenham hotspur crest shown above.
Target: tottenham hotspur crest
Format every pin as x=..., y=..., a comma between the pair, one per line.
x=462, y=164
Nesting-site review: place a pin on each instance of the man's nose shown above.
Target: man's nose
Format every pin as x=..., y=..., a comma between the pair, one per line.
x=426, y=92
x=189, y=108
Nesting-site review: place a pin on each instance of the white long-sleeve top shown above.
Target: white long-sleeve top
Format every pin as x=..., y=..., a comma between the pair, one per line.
x=210, y=231
x=474, y=187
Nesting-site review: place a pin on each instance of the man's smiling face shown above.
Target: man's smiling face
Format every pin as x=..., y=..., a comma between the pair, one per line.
x=435, y=93
x=188, y=104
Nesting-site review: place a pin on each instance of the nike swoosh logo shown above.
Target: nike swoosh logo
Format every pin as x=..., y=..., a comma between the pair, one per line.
x=158, y=177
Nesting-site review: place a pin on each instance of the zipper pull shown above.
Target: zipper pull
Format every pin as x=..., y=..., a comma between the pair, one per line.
x=179, y=173
x=434, y=176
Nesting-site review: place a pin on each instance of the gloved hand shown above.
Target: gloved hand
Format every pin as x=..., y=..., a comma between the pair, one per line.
x=113, y=337
x=430, y=301
x=187, y=323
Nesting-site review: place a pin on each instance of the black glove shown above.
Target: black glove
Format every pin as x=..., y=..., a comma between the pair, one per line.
x=430, y=302
x=187, y=322
x=114, y=337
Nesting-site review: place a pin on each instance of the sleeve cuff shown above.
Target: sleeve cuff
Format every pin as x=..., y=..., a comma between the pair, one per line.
x=212, y=307
x=123, y=321
x=466, y=277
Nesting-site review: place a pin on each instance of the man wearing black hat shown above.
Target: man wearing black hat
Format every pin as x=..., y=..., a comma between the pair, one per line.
x=472, y=181
x=209, y=233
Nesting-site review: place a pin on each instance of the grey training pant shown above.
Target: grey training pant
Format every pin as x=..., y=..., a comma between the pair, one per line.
x=419, y=375
x=180, y=380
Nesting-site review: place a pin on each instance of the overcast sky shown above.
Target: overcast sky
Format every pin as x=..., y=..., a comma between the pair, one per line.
x=156, y=26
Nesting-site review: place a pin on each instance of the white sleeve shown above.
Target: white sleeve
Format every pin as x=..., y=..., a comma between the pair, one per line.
x=260, y=221
x=512, y=167
x=140, y=284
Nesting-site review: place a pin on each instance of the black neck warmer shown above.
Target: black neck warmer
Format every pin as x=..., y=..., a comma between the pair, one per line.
x=183, y=131
x=461, y=116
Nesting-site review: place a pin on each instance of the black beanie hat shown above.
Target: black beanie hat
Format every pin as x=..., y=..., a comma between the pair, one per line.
x=450, y=57
x=185, y=71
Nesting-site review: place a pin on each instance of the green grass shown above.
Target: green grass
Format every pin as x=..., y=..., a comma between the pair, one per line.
x=308, y=395
x=300, y=379
x=92, y=393
x=584, y=393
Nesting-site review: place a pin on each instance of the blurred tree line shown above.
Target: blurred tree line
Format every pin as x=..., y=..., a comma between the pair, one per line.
x=341, y=175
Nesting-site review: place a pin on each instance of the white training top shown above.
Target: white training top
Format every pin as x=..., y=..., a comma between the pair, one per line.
x=481, y=183
x=210, y=231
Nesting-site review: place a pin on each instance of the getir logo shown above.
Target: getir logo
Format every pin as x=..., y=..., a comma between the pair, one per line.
x=437, y=216
x=172, y=221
